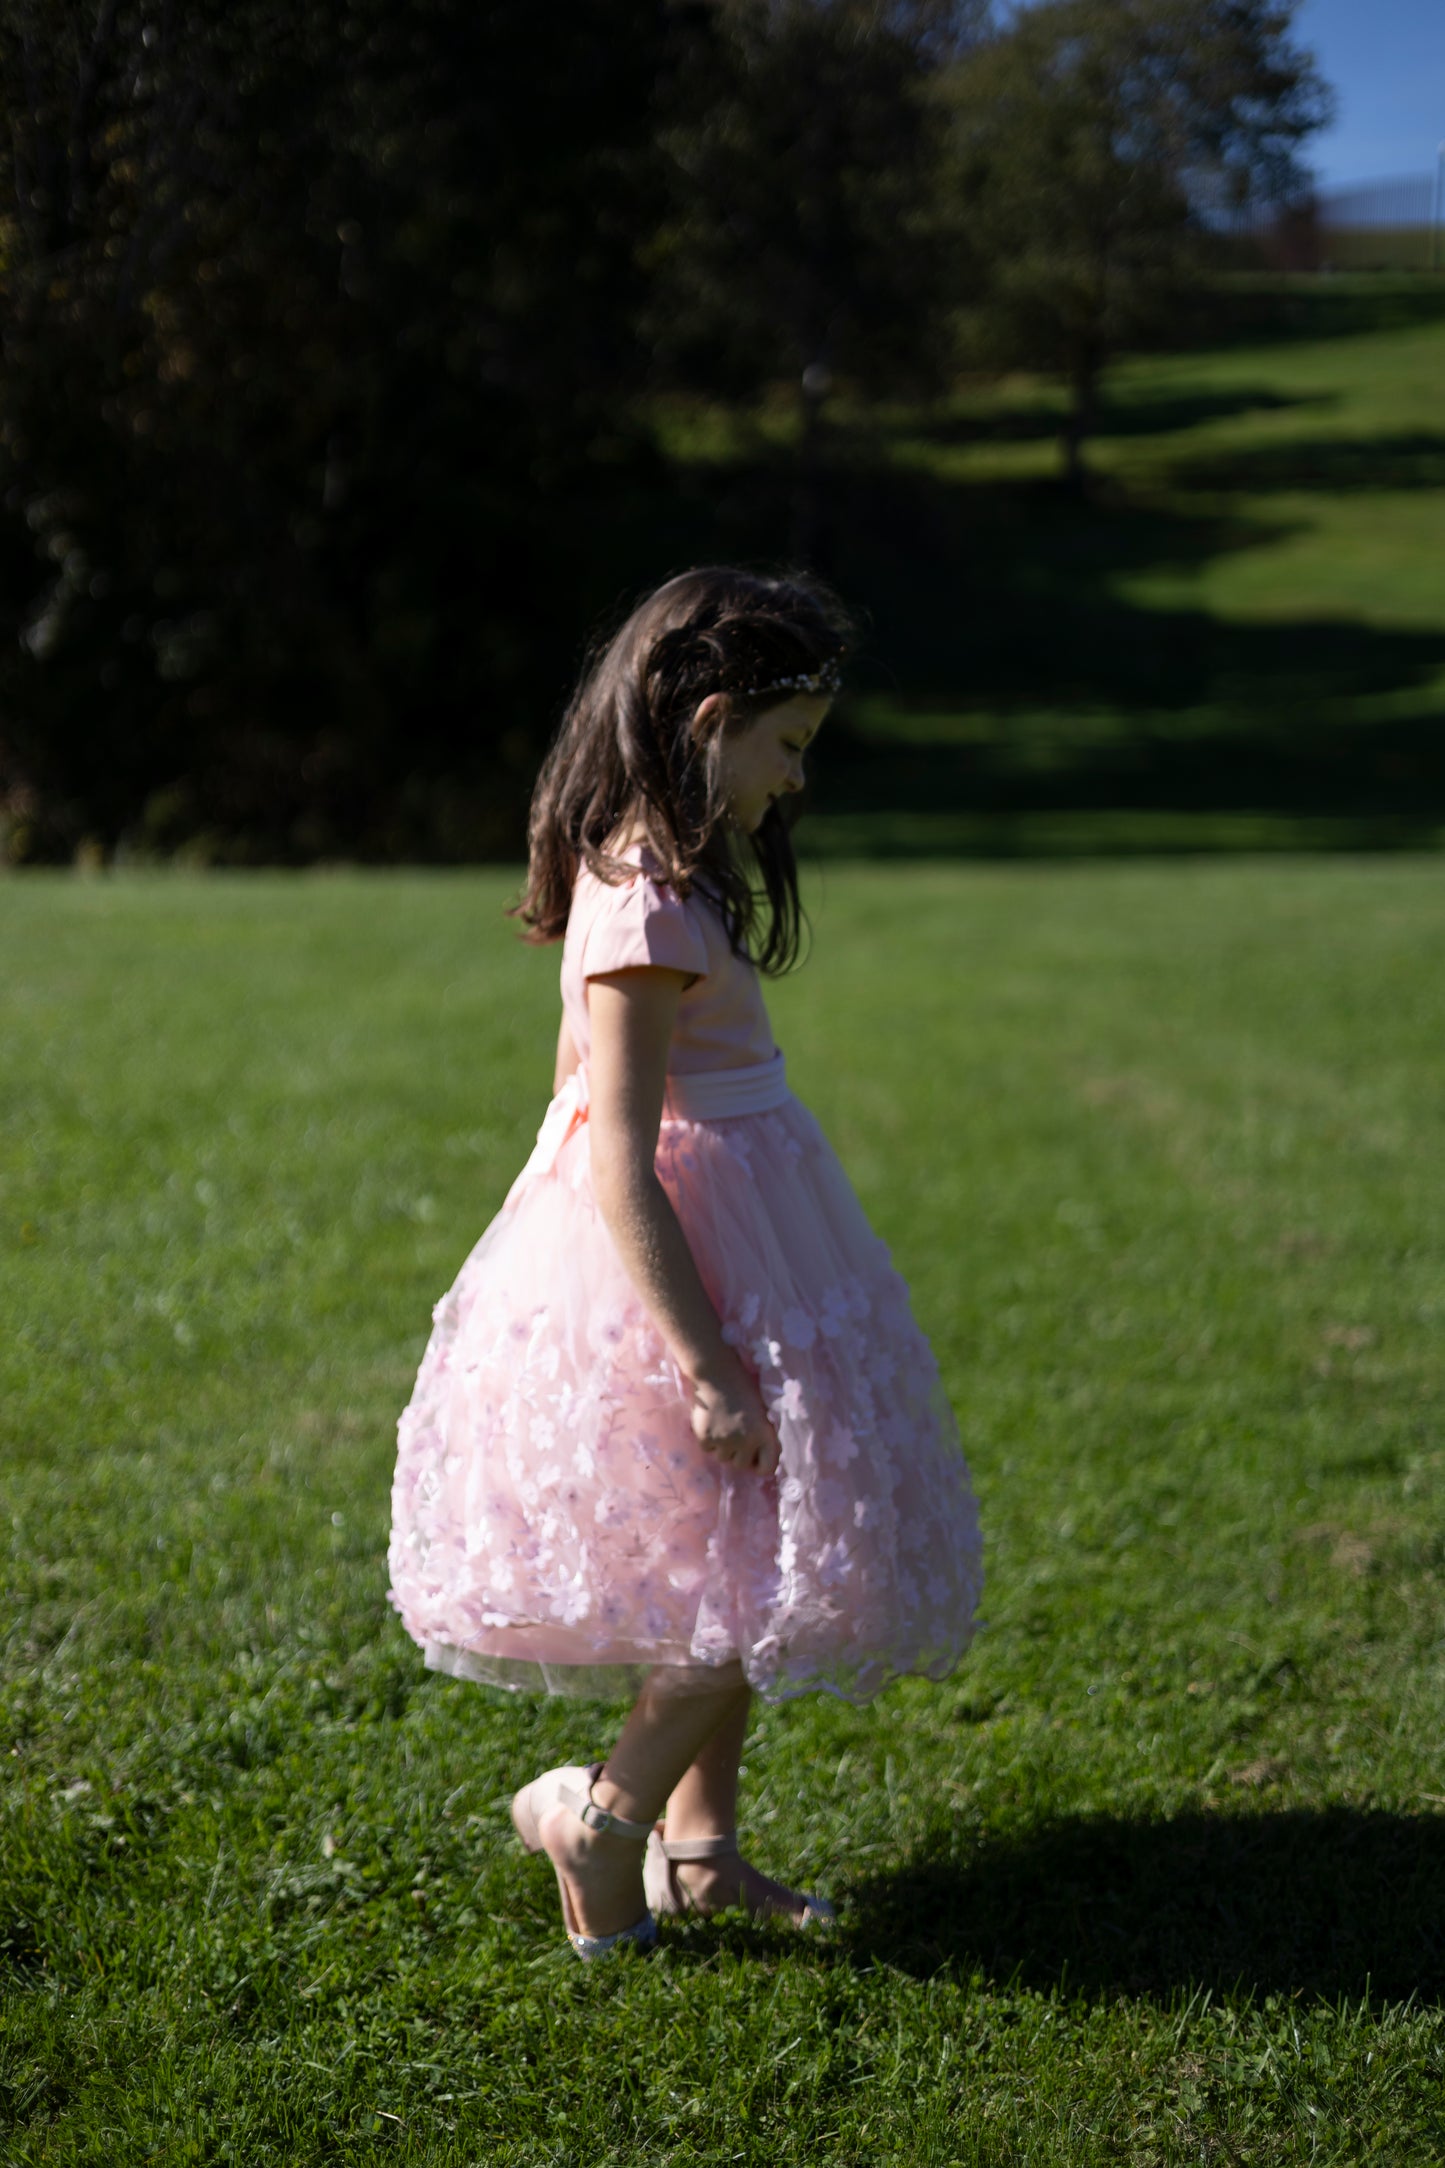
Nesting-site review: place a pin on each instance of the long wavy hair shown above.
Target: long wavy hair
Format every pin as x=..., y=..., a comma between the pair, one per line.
x=631, y=756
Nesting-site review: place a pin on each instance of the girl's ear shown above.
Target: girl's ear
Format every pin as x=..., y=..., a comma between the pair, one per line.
x=706, y=713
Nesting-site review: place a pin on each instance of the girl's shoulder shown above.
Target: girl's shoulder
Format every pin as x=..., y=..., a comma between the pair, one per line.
x=617, y=925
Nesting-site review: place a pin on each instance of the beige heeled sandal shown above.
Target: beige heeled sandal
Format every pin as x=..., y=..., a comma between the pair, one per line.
x=573, y=1788
x=666, y=1894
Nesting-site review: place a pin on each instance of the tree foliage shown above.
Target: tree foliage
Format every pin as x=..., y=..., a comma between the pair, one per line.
x=1092, y=142
x=327, y=332
x=807, y=231
x=309, y=333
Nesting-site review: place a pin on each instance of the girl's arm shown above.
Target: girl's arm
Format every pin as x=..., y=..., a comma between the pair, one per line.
x=631, y=1015
x=567, y=1058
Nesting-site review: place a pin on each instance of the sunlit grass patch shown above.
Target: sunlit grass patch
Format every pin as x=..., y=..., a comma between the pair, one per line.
x=1159, y=1876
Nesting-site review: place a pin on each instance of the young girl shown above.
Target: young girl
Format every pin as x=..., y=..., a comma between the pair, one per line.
x=676, y=1429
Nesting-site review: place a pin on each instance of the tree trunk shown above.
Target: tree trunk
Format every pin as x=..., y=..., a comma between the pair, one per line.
x=808, y=536
x=1081, y=419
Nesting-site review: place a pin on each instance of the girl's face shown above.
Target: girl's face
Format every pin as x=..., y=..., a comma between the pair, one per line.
x=764, y=761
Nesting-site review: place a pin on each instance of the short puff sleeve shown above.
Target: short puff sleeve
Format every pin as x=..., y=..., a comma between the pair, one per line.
x=644, y=922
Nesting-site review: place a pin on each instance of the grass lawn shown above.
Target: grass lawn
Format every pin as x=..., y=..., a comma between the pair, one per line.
x=1332, y=448
x=1158, y=1877
x=1237, y=639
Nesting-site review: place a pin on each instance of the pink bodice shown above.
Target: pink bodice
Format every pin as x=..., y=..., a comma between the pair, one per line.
x=722, y=1022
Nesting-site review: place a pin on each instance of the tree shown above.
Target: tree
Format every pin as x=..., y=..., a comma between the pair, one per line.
x=319, y=322
x=1092, y=140
x=804, y=242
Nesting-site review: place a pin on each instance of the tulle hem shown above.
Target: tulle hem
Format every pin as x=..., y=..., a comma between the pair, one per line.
x=514, y=1675
x=518, y=1675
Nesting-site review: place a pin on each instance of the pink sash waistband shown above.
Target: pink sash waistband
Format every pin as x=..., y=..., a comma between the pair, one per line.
x=708, y=1095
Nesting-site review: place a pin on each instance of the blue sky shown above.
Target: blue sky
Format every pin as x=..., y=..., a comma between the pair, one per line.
x=1386, y=61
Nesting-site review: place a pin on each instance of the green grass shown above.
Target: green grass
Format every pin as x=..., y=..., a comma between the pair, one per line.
x=1159, y=1877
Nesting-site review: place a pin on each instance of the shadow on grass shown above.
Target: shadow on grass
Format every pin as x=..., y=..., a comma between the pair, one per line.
x=1009, y=594
x=1340, y=464
x=1271, y=311
x=1326, y=1902
x=1005, y=671
x=1006, y=613
x=1163, y=414
x=1378, y=783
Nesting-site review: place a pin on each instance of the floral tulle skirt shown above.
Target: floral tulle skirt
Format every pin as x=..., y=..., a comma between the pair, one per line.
x=556, y=1525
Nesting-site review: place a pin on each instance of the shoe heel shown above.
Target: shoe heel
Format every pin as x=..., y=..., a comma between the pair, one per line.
x=524, y=1820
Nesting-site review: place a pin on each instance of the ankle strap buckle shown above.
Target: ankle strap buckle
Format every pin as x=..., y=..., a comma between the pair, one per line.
x=588, y=1811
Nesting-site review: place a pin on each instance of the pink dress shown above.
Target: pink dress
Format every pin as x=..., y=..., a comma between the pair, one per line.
x=554, y=1522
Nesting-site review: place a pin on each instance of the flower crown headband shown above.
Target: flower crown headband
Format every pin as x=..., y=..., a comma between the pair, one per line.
x=826, y=679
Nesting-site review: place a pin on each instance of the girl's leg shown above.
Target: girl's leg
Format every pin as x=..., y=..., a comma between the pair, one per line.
x=680, y=1747
x=667, y=1734
x=704, y=1803
x=674, y=1715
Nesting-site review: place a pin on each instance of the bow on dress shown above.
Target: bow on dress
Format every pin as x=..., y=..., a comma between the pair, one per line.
x=566, y=1114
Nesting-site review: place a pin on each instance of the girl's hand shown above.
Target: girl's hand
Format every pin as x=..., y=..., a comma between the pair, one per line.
x=730, y=1421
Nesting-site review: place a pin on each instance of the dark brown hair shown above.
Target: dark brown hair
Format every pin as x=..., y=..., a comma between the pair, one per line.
x=631, y=752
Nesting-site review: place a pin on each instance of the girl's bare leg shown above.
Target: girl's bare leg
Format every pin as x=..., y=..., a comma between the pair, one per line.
x=680, y=1747
x=704, y=1803
x=674, y=1715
